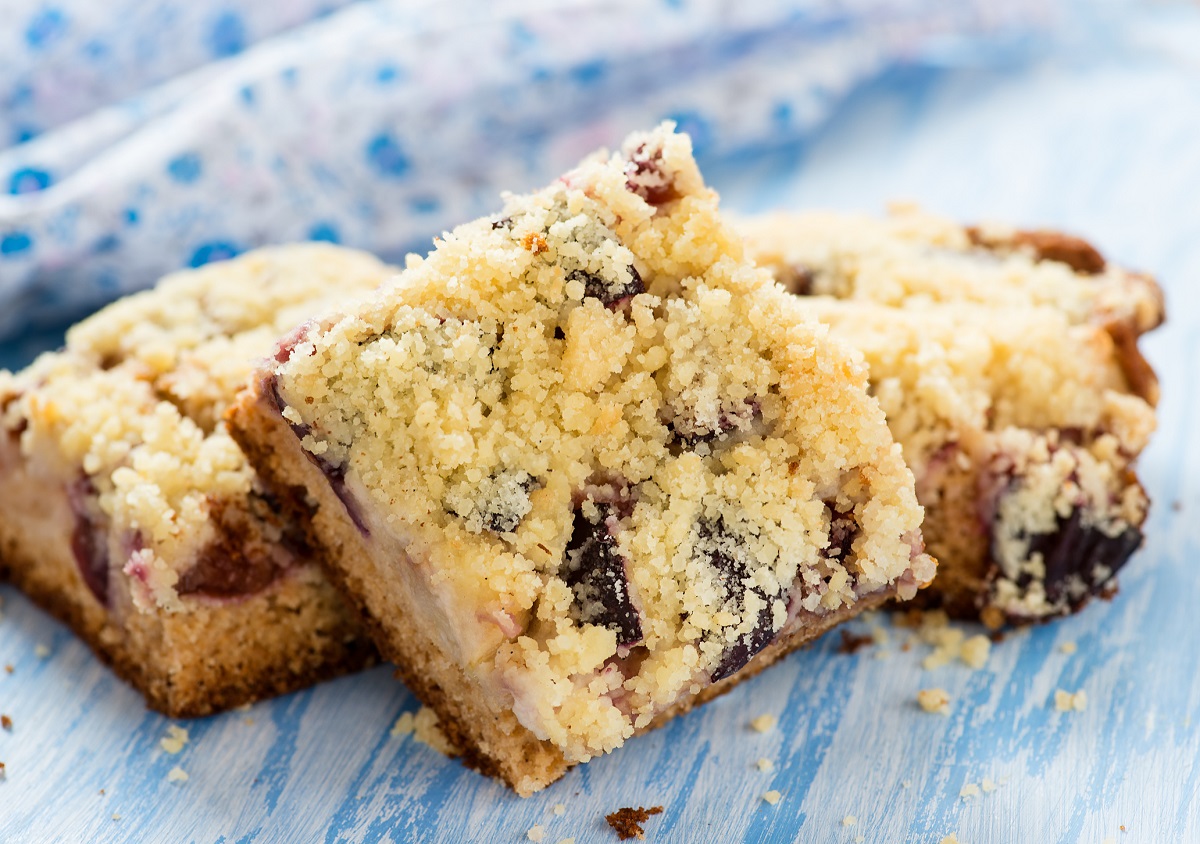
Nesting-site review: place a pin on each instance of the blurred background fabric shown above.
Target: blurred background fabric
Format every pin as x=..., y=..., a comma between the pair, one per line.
x=147, y=135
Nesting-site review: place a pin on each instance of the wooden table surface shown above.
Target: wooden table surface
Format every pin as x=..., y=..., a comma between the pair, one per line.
x=1105, y=146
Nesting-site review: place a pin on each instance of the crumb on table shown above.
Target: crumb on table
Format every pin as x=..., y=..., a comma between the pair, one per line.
x=628, y=821
x=934, y=700
x=177, y=774
x=1067, y=702
x=536, y=833
x=772, y=797
x=764, y=723
x=175, y=740
x=6, y=722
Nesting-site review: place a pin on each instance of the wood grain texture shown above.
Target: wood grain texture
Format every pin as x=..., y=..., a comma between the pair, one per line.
x=1105, y=148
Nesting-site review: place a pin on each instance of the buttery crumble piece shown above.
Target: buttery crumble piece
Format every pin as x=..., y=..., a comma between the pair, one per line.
x=988, y=785
x=934, y=700
x=177, y=774
x=536, y=833
x=765, y=765
x=1068, y=702
x=849, y=820
x=969, y=791
x=950, y=839
x=6, y=722
x=8, y=669
x=3, y=771
x=560, y=809
x=175, y=740
x=975, y=651
x=628, y=821
x=764, y=723
x=772, y=797
x=1068, y=648
x=41, y=651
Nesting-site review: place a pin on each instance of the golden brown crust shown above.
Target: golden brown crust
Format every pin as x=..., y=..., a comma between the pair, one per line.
x=1048, y=245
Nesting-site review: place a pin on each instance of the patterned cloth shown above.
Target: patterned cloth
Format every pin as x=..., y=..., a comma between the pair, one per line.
x=153, y=134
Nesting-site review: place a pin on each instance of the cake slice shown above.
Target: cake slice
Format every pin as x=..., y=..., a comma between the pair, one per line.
x=127, y=511
x=584, y=466
x=912, y=257
x=1008, y=367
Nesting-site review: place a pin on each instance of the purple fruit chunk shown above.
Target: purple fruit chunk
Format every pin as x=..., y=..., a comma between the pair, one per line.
x=611, y=295
x=720, y=548
x=334, y=473
x=595, y=571
x=645, y=176
x=1073, y=553
x=690, y=432
x=89, y=540
x=797, y=279
x=240, y=561
x=842, y=532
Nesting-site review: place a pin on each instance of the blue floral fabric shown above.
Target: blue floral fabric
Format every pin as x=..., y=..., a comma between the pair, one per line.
x=148, y=135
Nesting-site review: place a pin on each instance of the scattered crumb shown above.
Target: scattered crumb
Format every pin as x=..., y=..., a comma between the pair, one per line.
x=764, y=723
x=1108, y=839
x=566, y=841
x=560, y=809
x=997, y=636
x=852, y=643
x=988, y=785
x=175, y=740
x=1067, y=702
x=882, y=654
x=423, y=726
x=245, y=707
x=906, y=784
x=249, y=722
x=628, y=821
x=6, y=722
x=116, y=817
x=41, y=651
x=8, y=669
x=403, y=726
x=950, y=839
x=969, y=791
x=102, y=792
x=772, y=797
x=879, y=635
x=975, y=651
x=849, y=820
x=1123, y=829
x=859, y=839
x=536, y=833
x=1177, y=505
x=992, y=617
x=1068, y=648
x=907, y=646
x=934, y=700
x=765, y=765
x=3, y=771
x=177, y=774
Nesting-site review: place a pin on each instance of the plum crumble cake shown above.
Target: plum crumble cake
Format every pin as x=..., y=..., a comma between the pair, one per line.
x=1007, y=365
x=584, y=466
x=128, y=511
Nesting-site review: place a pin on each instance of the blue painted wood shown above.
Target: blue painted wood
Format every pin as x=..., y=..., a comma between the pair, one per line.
x=1107, y=148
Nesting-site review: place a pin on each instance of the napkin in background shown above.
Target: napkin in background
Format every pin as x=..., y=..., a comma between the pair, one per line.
x=161, y=134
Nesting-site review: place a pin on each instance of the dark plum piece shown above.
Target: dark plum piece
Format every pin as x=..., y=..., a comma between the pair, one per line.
x=645, y=176
x=89, y=540
x=335, y=474
x=288, y=342
x=1073, y=552
x=238, y=562
x=690, y=432
x=595, y=571
x=611, y=295
x=842, y=532
x=718, y=546
x=797, y=279
x=502, y=223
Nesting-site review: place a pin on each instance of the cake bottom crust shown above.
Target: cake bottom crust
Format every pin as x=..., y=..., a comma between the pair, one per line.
x=494, y=743
x=212, y=656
